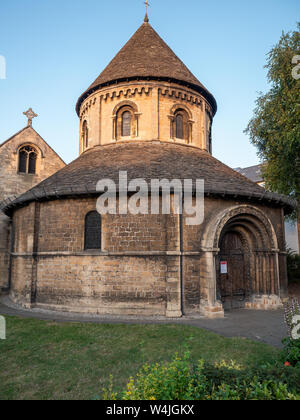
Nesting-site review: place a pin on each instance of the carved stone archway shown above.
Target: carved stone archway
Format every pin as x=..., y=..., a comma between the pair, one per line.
x=260, y=255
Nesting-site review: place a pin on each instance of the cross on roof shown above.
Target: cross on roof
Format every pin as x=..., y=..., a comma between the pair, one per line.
x=146, y=16
x=30, y=114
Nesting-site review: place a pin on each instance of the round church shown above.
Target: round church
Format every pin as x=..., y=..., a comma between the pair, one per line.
x=147, y=116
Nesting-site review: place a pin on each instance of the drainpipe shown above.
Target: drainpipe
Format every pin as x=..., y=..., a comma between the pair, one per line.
x=181, y=259
x=34, y=279
x=12, y=247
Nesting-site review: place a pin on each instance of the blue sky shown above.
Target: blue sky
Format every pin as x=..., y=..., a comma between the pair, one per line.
x=54, y=50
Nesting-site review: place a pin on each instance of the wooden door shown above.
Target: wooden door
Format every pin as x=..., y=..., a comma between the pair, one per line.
x=232, y=284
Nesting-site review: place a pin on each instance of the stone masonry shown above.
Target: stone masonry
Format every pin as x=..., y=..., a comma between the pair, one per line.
x=148, y=116
x=13, y=183
x=140, y=269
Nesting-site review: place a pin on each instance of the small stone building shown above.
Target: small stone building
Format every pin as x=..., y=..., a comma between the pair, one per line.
x=149, y=116
x=25, y=160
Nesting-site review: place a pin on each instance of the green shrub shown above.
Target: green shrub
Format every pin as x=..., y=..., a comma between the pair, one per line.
x=291, y=352
x=270, y=373
x=182, y=380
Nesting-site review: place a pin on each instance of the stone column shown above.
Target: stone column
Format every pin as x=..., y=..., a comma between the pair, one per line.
x=173, y=275
x=22, y=257
x=282, y=274
x=212, y=308
x=100, y=121
x=4, y=251
x=155, y=113
x=173, y=288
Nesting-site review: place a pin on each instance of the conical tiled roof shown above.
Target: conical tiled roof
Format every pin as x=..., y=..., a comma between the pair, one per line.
x=145, y=56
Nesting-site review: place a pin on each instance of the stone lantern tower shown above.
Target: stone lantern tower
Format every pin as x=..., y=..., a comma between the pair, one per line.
x=146, y=93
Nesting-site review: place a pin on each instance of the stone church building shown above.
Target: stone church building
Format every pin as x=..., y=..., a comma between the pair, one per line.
x=25, y=160
x=148, y=115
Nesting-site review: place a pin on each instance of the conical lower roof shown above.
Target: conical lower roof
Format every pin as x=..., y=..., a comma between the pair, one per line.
x=147, y=56
x=148, y=160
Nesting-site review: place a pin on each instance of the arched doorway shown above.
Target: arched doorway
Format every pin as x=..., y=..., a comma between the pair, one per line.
x=247, y=261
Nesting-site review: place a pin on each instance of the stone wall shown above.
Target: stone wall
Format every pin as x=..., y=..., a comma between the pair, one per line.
x=13, y=184
x=153, y=103
x=4, y=249
x=142, y=268
x=299, y=232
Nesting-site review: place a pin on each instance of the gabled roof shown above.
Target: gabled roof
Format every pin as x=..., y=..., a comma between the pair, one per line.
x=12, y=137
x=147, y=56
x=252, y=172
x=148, y=160
x=29, y=127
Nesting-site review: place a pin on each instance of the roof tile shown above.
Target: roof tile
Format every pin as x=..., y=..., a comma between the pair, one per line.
x=147, y=160
x=146, y=55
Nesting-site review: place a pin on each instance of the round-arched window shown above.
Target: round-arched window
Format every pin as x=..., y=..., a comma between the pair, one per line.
x=126, y=124
x=125, y=121
x=92, y=231
x=179, y=126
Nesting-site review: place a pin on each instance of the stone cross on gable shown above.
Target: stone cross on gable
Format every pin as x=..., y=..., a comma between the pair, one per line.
x=30, y=114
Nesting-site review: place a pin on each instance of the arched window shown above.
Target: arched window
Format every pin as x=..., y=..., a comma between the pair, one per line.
x=179, y=126
x=125, y=121
x=22, y=161
x=27, y=160
x=92, y=231
x=126, y=124
x=85, y=134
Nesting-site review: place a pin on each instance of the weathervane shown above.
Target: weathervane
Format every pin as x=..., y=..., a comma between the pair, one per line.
x=30, y=114
x=146, y=16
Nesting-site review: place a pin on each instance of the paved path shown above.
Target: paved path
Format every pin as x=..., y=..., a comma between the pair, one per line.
x=264, y=326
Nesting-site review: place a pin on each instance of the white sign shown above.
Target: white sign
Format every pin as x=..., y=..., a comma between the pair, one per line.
x=2, y=328
x=224, y=267
x=2, y=68
x=296, y=328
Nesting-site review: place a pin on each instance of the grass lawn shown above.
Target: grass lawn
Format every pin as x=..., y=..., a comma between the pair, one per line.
x=44, y=360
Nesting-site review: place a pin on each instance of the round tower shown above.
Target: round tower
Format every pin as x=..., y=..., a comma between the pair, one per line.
x=146, y=93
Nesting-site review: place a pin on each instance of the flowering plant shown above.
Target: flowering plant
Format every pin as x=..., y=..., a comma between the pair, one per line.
x=291, y=353
x=291, y=313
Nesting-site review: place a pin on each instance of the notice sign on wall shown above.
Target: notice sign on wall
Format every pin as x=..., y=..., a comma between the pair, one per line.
x=224, y=267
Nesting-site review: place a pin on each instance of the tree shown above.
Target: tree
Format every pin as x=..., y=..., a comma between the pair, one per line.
x=275, y=126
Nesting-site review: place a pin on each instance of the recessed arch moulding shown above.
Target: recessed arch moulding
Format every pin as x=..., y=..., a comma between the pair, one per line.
x=265, y=283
